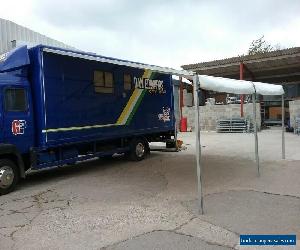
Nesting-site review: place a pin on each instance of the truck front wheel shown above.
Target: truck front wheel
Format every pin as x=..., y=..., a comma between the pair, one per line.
x=139, y=148
x=9, y=176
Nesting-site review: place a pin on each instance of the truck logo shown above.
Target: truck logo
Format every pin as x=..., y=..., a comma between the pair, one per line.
x=18, y=127
x=152, y=85
x=165, y=116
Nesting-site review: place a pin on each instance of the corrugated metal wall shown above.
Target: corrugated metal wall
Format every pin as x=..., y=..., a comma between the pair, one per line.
x=10, y=31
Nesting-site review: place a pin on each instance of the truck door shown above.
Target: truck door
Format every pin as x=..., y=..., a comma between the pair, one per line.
x=17, y=117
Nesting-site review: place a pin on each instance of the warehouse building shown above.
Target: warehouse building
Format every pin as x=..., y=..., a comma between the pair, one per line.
x=278, y=67
x=13, y=35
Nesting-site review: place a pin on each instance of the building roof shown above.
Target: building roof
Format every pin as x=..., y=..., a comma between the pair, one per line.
x=281, y=66
x=13, y=35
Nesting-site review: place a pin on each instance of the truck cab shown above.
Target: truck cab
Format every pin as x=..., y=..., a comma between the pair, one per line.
x=16, y=112
x=16, y=123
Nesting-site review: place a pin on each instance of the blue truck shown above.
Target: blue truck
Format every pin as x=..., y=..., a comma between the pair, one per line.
x=62, y=106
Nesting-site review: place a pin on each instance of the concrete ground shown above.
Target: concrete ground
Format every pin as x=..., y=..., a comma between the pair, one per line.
x=117, y=204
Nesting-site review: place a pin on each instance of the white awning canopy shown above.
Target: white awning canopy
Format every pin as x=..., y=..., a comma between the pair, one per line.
x=268, y=88
x=226, y=85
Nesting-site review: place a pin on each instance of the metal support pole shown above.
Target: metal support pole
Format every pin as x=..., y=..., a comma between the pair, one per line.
x=283, y=128
x=176, y=123
x=242, y=96
x=198, y=145
x=180, y=96
x=255, y=133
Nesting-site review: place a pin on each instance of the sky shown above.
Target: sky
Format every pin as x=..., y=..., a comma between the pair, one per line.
x=161, y=32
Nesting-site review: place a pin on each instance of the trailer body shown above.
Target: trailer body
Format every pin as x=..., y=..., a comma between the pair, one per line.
x=62, y=106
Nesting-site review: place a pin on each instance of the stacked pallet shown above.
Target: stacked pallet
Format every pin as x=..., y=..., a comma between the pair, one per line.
x=294, y=109
x=235, y=125
x=297, y=126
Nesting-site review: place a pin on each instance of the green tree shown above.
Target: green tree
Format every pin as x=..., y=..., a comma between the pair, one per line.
x=260, y=46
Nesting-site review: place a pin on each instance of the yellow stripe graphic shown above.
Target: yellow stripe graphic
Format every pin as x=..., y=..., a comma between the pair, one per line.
x=147, y=73
x=76, y=128
x=132, y=100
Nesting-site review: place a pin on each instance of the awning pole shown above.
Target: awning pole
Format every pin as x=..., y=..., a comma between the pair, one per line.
x=242, y=96
x=255, y=133
x=283, y=128
x=198, y=145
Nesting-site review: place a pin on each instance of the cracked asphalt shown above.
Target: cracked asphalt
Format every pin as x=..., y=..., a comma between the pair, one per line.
x=117, y=204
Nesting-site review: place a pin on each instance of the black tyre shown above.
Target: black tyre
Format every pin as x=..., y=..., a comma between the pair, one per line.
x=139, y=148
x=9, y=176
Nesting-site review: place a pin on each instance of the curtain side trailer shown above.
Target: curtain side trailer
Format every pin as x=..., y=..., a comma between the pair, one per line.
x=60, y=106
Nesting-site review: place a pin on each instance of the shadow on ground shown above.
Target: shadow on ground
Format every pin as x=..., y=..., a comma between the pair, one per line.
x=116, y=163
x=165, y=240
x=251, y=212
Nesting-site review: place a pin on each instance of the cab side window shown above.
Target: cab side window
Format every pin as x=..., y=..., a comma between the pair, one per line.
x=15, y=100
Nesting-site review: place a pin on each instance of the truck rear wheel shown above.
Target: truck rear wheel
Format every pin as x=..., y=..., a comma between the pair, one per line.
x=9, y=176
x=139, y=148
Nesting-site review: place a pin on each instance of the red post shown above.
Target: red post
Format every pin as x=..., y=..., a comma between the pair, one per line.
x=242, y=96
x=183, y=124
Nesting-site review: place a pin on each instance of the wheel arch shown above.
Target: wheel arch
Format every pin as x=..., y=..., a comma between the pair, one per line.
x=142, y=137
x=9, y=151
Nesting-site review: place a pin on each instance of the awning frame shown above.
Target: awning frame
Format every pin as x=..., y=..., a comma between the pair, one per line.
x=197, y=86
